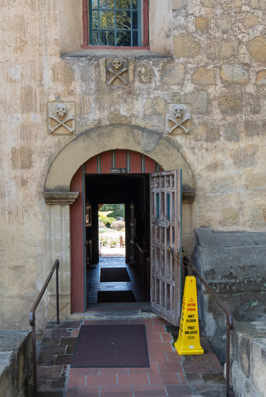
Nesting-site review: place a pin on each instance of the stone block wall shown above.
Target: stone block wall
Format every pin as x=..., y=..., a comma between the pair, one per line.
x=234, y=266
x=16, y=364
x=249, y=359
x=209, y=57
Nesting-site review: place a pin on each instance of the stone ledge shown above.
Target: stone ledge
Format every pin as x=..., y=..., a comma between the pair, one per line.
x=188, y=194
x=15, y=363
x=68, y=198
x=104, y=53
x=249, y=359
x=60, y=198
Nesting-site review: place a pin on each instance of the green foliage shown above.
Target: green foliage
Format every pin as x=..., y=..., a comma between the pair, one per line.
x=118, y=210
x=105, y=219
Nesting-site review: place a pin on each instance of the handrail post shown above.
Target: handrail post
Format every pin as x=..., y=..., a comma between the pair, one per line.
x=32, y=320
x=227, y=358
x=34, y=354
x=229, y=321
x=57, y=294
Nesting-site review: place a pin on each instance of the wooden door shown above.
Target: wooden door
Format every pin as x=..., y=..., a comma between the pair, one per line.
x=166, y=222
x=89, y=231
x=132, y=232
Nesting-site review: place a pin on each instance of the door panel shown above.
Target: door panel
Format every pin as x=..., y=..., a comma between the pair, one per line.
x=132, y=232
x=77, y=241
x=165, y=215
x=88, y=224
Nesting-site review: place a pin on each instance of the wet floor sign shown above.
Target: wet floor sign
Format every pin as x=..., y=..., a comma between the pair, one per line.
x=188, y=342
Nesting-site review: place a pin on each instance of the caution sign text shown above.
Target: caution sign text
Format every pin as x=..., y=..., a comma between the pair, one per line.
x=188, y=341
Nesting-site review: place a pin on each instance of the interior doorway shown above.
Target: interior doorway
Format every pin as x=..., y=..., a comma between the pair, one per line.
x=120, y=177
x=153, y=218
x=125, y=281
x=112, y=230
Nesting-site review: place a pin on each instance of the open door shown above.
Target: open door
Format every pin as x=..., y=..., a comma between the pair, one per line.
x=88, y=225
x=166, y=225
x=132, y=232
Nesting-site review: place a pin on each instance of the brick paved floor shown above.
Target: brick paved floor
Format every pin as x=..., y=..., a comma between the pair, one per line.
x=168, y=375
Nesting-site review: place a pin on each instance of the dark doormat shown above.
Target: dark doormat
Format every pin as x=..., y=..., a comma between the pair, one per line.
x=116, y=296
x=113, y=274
x=111, y=346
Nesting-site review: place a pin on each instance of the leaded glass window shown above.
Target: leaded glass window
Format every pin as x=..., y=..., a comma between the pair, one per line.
x=115, y=22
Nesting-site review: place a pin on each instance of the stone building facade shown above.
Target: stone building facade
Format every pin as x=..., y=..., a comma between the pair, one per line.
x=194, y=99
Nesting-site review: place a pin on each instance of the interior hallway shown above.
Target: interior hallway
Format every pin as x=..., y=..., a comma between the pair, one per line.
x=94, y=285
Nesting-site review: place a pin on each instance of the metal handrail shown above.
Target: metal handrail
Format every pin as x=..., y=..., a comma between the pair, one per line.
x=229, y=320
x=141, y=249
x=32, y=319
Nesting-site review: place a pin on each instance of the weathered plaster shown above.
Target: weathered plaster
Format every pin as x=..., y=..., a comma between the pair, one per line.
x=206, y=54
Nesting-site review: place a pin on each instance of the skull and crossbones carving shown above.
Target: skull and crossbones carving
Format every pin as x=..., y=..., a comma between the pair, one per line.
x=116, y=69
x=61, y=119
x=61, y=109
x=178, y=115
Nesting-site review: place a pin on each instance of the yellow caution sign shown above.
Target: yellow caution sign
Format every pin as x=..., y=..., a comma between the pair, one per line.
x=188, y=342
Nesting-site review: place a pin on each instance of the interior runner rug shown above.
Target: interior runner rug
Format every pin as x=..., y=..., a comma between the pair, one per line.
x=113, y=274
x=111, y=346
x=116, y=296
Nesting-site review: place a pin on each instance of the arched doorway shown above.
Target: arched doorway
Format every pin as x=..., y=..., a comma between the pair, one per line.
x=117, y=176
x=59, y=197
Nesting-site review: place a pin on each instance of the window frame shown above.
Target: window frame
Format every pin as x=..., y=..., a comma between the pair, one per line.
x=144, y=29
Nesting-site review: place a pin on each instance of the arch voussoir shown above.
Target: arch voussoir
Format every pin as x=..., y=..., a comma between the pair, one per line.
x=114, y=137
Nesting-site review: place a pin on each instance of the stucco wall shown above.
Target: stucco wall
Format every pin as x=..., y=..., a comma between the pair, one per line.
x=215, y=65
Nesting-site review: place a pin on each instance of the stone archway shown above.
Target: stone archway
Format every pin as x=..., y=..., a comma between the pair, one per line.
x=92, y=142
x=59, y=197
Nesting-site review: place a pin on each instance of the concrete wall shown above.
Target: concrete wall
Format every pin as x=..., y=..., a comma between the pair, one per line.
x=210, y=57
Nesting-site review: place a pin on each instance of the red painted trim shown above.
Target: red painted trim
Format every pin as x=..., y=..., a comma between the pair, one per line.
x=145, y=23
x=106, y=162
x=85, y=22
x=106, y=159
x=135, y=163
x=91, y=166
x=76, y=228
x=120, y=158
x=150, y=165
x=145, y=29
x=106, y=47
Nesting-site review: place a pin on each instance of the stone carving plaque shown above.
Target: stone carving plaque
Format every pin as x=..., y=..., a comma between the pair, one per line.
x=117, y=71
x=61, y=118
x=177, y=119
x=145, y=74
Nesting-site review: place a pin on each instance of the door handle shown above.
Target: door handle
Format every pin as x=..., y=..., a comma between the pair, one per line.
x=171, y=250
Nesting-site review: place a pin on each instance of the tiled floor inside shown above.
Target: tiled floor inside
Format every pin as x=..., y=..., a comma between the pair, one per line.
x=94, y=285
x=168, y=374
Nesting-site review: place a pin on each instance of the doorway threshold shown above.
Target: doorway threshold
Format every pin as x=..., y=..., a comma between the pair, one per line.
x=118, y=305
x=116, y=311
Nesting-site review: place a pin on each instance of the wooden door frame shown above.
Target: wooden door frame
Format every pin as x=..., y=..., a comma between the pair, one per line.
x=78, y=260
